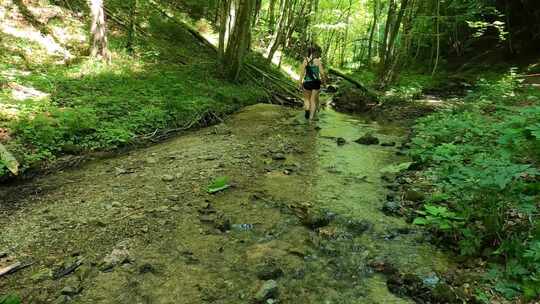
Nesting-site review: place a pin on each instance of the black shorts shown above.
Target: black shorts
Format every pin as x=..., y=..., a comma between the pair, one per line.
x=312, y=85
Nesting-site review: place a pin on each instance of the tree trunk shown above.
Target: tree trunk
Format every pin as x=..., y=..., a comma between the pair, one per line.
x=98, y=31
x=384, y=42
x=436, y=65
x=272, y=15
x=373, y=27
x=238, y=44
x=279, y=34
x=132, y=31
x=224, y=8
x=256, y=14
x=389, y=62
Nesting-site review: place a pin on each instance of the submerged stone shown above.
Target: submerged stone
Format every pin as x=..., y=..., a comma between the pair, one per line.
x=391, y=208
x=358, y=226
x=368, y=139
x=268, y=290
x=414, y=196
x=269, y=271
x=315, y=218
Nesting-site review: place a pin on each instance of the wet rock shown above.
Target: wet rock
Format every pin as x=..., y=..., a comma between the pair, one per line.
x=167, y=178
x=147, y=268
x=358, y=227
x=406, y=285
x=268, y=290
x=391, y=196
x=67, y=268
x=269, y=271
x=173, y=198
x=368, y=139
x=414, y=196
x=388, y=144
x=391, y=208
x=120, y=255
x=353, y=100
x=393, y=186
x=71, y=290
x=383, y=266
x=444, y=293
x=315, y=218
x=341, y=141
x=62, y=299
x=214, y=218
x=331, y=89
x=431, y=280
x=278, y=156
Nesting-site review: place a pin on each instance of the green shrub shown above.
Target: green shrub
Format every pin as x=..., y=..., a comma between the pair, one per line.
x=483, y=161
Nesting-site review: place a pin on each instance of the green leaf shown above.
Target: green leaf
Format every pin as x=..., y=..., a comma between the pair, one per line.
x=9, y=160
x=219, y=184
x=420, y=221
x=10, y=299
x=396, y=168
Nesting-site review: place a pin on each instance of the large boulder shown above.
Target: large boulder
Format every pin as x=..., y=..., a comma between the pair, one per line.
x=350, y=99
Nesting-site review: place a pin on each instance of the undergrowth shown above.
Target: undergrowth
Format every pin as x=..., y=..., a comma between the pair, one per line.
x=169, y=82
x=483, y=161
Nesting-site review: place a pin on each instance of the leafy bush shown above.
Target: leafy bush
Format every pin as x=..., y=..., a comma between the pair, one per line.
x=483, y=161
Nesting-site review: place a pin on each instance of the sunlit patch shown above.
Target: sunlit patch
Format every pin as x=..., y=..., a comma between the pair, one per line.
x=13, y=73
x=8, y=111
x=20, y=92
x=47, y=42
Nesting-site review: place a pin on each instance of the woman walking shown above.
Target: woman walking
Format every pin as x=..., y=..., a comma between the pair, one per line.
x=310, y=80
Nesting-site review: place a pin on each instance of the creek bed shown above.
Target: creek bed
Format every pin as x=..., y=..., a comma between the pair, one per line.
x=301, y=222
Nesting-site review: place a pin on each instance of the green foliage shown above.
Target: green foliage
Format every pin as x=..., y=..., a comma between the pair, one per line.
x=438, y=217
x=483, y=160
x=10, y=299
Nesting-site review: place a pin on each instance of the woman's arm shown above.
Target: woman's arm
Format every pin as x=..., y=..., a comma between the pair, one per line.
x=302, y=73
x=321, y=70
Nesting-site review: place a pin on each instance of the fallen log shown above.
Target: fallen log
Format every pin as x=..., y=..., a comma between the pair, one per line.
x=62, y=272
x=349, y=79
x=13, y=268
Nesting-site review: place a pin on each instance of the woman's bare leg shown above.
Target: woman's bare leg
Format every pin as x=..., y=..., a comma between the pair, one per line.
x=307, y=99
x=313, y=104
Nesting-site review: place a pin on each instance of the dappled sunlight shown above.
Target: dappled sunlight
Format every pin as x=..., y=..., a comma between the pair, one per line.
x=53, y=40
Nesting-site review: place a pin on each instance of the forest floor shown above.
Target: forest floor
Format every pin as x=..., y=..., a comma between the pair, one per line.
x=302, y=212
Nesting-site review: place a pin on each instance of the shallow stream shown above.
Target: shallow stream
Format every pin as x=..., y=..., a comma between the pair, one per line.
x=302, y=211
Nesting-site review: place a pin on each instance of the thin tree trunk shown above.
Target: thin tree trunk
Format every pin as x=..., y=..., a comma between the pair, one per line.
x=384, y=42
x=438, y=38
x=278, y=35
x=272, y=15
x=224, y=8
x=373, y=27
x=132, y=31
x=98, y=31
